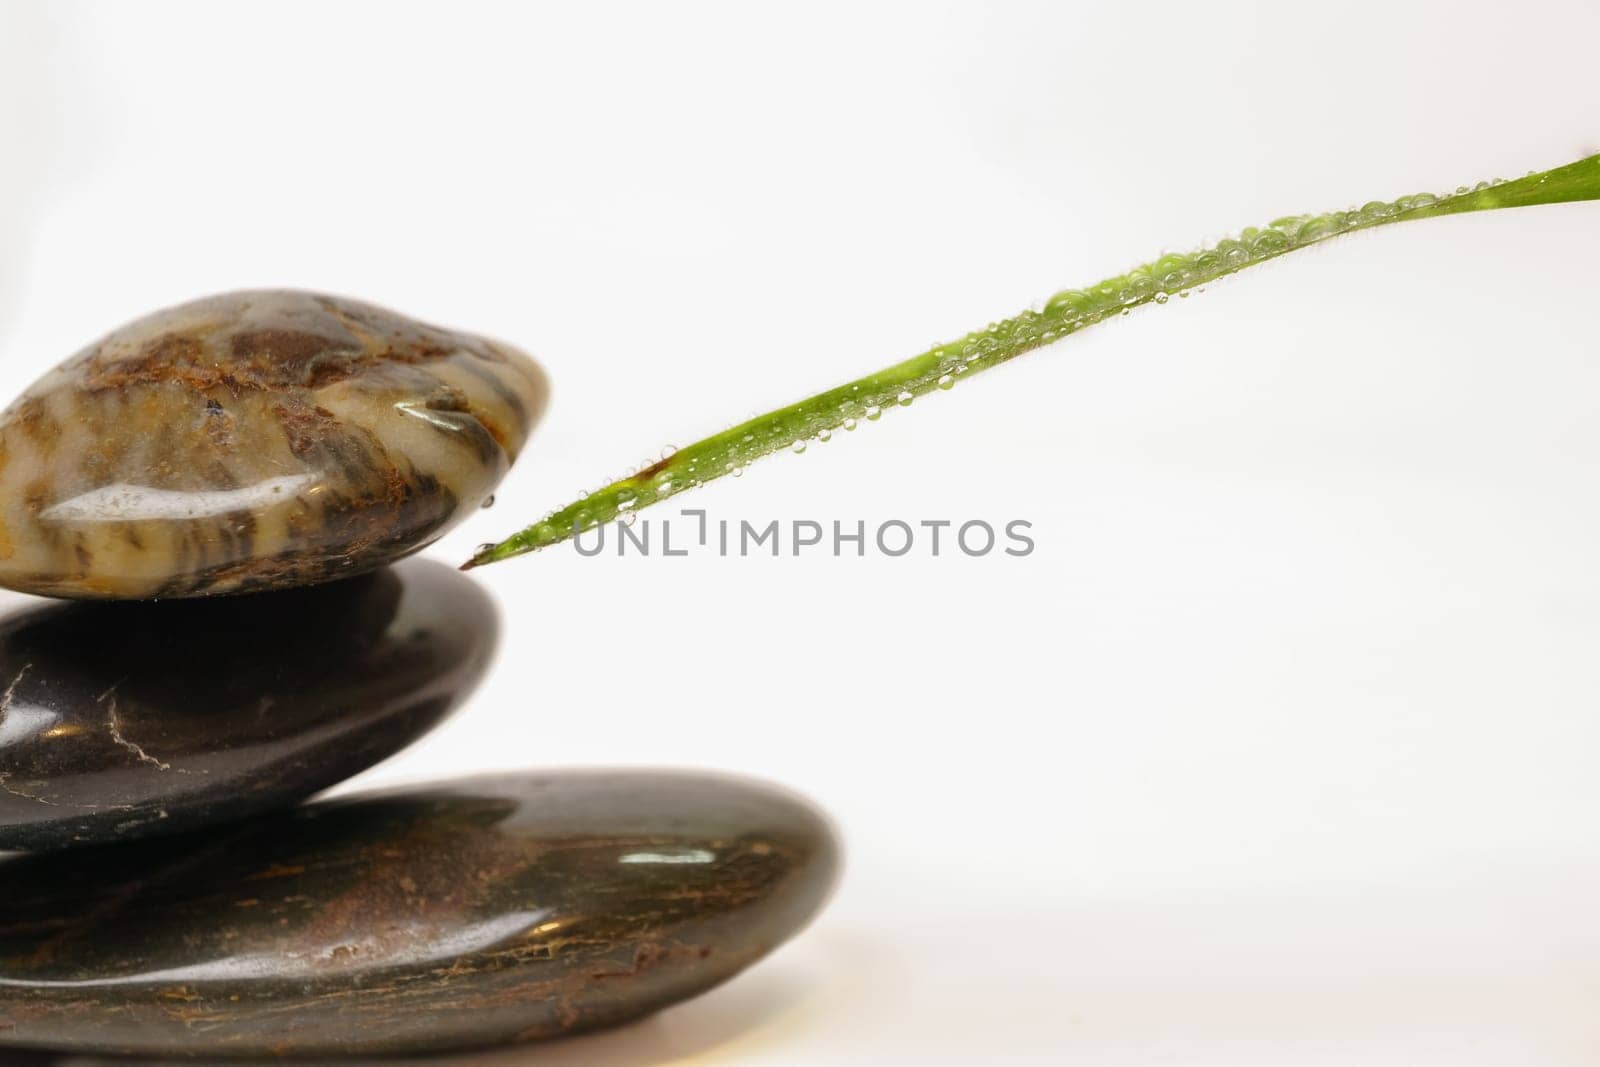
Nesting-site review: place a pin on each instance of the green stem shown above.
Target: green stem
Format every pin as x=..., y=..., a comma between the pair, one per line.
x=1065, y=313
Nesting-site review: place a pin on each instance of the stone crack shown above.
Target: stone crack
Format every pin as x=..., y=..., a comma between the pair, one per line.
x=109, y=699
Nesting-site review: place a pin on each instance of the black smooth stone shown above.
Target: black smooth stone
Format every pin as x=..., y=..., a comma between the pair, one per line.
x=465, y=914
x=122, y=720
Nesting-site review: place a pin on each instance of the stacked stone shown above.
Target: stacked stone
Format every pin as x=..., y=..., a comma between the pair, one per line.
x=227, y=489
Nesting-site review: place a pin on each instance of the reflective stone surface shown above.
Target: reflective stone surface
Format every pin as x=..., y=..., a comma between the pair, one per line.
x=466, y=914
x=127, y=719
x=253, y=440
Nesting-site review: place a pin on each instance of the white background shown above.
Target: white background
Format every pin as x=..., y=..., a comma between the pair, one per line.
x=1281, y=747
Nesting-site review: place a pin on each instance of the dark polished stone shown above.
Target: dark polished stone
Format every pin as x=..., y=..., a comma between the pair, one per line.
x=129, y=719
x=466, y=914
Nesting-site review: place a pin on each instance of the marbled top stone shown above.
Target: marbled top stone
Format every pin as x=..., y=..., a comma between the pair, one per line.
x=253, y=440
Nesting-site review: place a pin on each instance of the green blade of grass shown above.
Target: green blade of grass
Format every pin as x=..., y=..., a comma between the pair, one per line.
x=1065, y=313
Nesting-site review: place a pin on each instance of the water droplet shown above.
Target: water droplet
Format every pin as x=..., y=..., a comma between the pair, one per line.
x=738, y=472
x=946, y=381
x=873, y=411
x=1183, y=294
x=1070, y=302
x=663, y=488
x=626, y=505
x=1406, y=203
x=1161, y=298
x=484, y=549
x=1126, y=312
x=824, y=435
x=904, y=399
x=668, y=451
x=1269, y=242
x=1322, y=226
x=798, y=447
x=1233, y=252
x=849, y=424
x=628, y=518
x=488, y=501
x=961, y=368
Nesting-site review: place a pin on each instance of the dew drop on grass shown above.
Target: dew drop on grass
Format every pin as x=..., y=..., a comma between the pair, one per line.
x=873, y=412
x=904, y=399
x=738, y=472
x=947, y=381
x=488, y=502
x=849, y=424
x=628, y=518
x=1161, y=298
x=485, y=548
x=798, y=447
x=824, y=435
x=668, y=451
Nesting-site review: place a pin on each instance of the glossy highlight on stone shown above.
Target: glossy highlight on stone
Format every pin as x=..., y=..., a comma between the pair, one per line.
x=466, y=914
x=130, y=719
x=253, y=440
